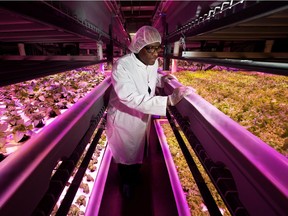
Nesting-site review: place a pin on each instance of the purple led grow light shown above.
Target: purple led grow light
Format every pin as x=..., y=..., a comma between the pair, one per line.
x=181, y=203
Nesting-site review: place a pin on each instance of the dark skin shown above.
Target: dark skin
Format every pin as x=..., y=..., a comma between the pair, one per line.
x=146, y=57
x=149, y=58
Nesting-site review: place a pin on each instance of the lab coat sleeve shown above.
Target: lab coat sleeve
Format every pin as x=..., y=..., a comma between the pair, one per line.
x=128, y=93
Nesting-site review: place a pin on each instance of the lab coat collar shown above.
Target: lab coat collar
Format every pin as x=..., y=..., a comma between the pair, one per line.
x=138, y=62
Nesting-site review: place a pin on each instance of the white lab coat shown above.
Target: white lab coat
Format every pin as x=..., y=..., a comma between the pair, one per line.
x=130, y=107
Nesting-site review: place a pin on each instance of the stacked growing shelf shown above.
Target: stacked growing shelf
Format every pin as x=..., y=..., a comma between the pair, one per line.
x=257, y=101
x=27, y=107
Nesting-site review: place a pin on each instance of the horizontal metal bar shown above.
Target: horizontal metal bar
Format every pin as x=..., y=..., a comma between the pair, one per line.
x=51, y=58
x=261, y=66
x=27, y=68
x=238, y=55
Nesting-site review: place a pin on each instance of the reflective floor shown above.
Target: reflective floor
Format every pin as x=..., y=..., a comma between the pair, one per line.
x=152, y=196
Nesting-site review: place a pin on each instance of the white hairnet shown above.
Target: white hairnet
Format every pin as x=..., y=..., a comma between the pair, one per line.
x=144, y=36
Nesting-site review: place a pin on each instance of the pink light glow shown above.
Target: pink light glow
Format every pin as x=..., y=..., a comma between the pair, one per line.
x=181, y=203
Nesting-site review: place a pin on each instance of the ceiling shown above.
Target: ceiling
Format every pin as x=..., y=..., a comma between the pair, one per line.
x=218, y=29
x=137, y=13
x=87, y=22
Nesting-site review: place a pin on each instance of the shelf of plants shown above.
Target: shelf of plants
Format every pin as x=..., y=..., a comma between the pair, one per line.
x=190, y=190
x=84, y=192
x=257, y=101
x=27, y=107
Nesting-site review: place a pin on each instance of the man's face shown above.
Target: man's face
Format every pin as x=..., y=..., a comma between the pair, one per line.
x=149, y=53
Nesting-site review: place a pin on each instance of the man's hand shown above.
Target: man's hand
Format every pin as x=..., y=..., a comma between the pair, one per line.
x=178, y=94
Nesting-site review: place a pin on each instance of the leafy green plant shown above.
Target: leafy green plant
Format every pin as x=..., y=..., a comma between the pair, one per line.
x=189, y=186
x=35, y=101
x=257, y=101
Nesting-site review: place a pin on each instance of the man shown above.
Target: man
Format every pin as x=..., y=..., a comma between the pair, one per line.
x=132, y=101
